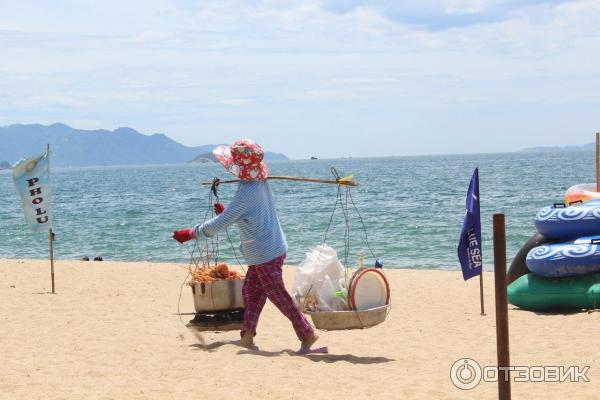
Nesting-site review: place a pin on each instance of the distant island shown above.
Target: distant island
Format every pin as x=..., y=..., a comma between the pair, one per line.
x=204, y=158
x=5, y=165
x=582, y=147
x=78, y=147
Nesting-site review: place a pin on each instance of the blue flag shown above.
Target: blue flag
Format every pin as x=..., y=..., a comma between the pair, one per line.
x=469, y=246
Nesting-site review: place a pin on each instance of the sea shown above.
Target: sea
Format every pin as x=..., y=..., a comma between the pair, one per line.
x=406, y=211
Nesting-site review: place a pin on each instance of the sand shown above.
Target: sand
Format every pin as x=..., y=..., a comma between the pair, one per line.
x=113, y=331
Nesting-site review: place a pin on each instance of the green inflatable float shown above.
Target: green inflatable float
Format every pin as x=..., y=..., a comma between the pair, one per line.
x=537, y=293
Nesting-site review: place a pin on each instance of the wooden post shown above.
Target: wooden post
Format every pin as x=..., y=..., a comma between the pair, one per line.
x=502, y=348
x=597, y=161
x=50, y=233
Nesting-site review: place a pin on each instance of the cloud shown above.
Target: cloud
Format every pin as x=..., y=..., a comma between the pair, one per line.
x=185, y=67
x=437, y=15
x=234, y=102
x=54, y=100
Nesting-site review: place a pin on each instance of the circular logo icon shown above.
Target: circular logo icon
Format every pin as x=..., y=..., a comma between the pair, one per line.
x=465, y=373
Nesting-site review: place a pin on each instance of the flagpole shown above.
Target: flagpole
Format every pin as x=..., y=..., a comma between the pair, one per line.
x=469, y=246
x=481, y=291
x=50, y=233
x=481, y=272
x=597, y=161
x=51, y=239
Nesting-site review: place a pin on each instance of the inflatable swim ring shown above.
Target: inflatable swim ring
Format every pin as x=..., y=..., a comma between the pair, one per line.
x=581, y=193
x=578, y=257
x=536, y=293
x=560, y=222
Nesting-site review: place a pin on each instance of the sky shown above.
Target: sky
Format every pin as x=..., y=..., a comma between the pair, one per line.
x=326, y=78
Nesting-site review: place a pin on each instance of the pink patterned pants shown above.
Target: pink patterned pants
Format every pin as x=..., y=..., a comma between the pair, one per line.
x=265, y=281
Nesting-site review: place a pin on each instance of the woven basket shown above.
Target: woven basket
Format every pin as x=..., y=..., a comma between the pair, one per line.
x=343, y=320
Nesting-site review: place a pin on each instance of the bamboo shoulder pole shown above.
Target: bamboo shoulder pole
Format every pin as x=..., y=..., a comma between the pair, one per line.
x=502, y=347
x=597, y=161
x=345, y=182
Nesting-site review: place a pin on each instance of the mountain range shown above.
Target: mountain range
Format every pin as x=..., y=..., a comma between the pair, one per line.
x=580, y=147
x=77, y=147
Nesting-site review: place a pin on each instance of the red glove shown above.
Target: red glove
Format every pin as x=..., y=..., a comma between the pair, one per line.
x=183, y=235
x=219, y=208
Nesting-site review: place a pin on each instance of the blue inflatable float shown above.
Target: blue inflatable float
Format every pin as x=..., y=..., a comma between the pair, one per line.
x=578, y=257
x=560, y=222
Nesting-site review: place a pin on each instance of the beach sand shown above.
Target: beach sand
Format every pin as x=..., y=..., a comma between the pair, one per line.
x=113, y=331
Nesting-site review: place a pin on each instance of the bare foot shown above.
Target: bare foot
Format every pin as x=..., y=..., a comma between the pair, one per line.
x=308, y=342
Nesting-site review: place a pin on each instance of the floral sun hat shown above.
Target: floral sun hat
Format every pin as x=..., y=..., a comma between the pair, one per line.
x=244, y=159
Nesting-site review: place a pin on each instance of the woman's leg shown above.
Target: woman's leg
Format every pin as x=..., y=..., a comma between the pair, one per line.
x=271, y=279
x=254, y=301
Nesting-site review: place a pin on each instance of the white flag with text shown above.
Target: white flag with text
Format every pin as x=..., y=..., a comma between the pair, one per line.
x=32, y=179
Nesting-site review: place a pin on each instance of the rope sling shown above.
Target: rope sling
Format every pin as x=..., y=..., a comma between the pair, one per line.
x=343, y=200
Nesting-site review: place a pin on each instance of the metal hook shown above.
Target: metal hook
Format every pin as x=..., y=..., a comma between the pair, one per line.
x=214, y=187
x=335, y=174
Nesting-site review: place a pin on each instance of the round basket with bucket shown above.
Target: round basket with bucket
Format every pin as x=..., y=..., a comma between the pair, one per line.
x=369, y=303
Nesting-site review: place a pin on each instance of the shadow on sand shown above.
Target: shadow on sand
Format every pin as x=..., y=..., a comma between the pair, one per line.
x=557, y=311
x=326, y=358
x=209, y=347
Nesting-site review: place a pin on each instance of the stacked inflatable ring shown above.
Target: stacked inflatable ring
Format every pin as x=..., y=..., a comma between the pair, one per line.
x=581, y=193
x=561, y=267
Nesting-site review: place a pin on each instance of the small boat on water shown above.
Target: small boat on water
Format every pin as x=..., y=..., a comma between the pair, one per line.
x=314, y=158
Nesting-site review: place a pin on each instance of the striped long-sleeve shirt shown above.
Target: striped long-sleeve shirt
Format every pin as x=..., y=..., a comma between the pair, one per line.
x=253, y=210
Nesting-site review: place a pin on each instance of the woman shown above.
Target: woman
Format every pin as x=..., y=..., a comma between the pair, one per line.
x=263, y=242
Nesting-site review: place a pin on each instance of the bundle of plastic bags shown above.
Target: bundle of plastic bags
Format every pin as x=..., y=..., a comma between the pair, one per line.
x=320, y=284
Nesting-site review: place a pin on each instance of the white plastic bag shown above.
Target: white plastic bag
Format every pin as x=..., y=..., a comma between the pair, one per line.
x=331, y=296
x=319, y=281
